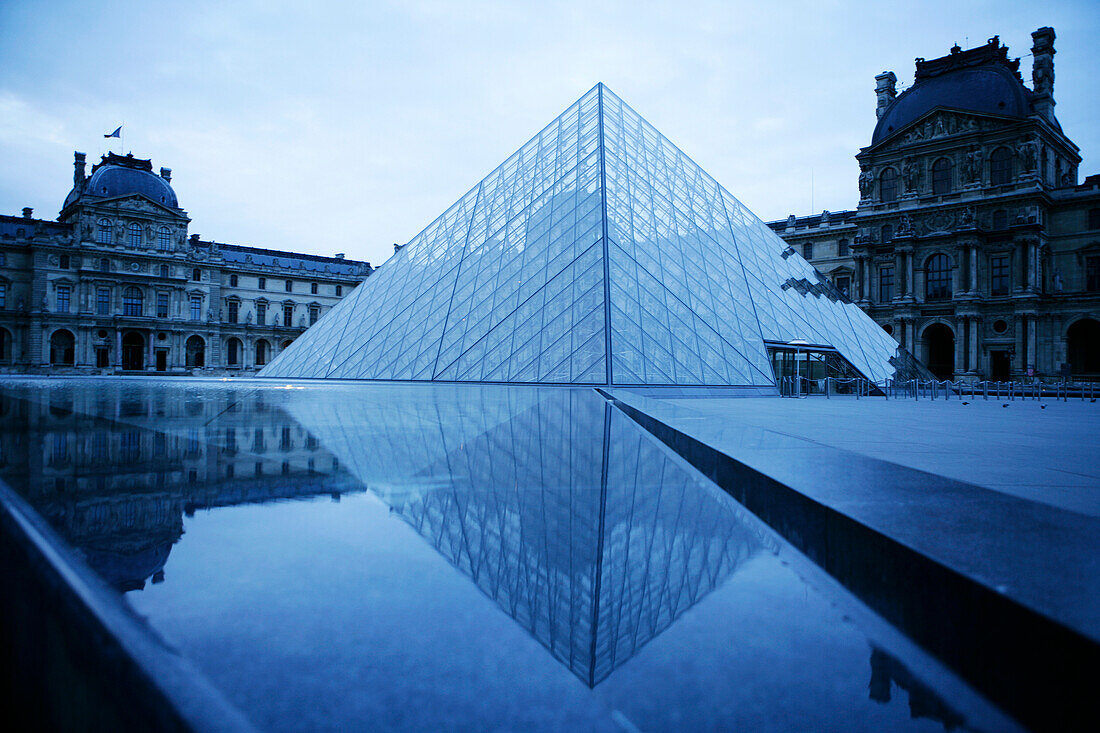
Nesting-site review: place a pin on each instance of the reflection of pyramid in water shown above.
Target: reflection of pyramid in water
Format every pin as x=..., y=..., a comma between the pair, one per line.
x=570, y=517
x=598, y=237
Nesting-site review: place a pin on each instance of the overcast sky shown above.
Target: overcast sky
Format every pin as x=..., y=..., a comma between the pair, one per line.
x=344, y=127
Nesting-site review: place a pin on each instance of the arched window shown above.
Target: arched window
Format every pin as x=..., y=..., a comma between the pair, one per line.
x=888, y=185
x=941, y=176
x=1000, y=167
x=262, y=349
x=132, y=301
x=62, y=348
x=887, y=233
x=104, y=234
x=1000, y=220
x=196, y=352
x=233, y=355
x=937, y=278
x=135, y=234
x=164, y=238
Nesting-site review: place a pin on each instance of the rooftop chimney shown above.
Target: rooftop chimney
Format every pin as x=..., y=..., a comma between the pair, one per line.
x=885, y=90
x=166, y=174
x=28, y=212
x=78, y=171
x=339, y=255
x=1042, y=71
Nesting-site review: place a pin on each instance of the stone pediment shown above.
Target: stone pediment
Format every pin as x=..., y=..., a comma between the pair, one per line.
x=943, y=123
x=139, y=204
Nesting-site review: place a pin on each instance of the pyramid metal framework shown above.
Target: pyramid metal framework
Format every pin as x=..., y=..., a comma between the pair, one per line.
x=598, y=253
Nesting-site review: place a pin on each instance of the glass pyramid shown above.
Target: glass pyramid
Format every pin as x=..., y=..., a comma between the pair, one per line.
x=598, y=253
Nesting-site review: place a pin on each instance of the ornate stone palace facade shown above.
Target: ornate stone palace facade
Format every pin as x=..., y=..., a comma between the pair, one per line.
x=973, y=244
x=116, y=285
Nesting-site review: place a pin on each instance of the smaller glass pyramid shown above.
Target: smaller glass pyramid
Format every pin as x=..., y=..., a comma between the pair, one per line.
x=598, y=253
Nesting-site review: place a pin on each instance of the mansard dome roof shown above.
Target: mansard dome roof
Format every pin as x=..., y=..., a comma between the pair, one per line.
x=118, y=175
x=979, y=80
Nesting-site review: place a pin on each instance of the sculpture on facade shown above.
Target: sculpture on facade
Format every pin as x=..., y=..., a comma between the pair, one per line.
x=972, y=166
x=866, y=183
x=913, y=174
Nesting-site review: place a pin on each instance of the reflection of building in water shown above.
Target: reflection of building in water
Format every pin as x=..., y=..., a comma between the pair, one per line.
x=574, y=521
x=115, y=468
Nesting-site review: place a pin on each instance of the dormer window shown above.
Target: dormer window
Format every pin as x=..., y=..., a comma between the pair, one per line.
x=103, y=236
x=135, y=234
x=941, y=177
x=888, y=185
x=164, y=238
x=1000, y=167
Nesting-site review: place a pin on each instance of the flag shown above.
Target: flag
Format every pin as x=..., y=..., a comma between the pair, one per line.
x=117, y=133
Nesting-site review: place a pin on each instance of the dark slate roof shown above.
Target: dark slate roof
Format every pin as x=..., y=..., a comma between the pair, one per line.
x=118, y=175
x=990, y=90
x=290, y=261
x=812, y=222
x=10, y=226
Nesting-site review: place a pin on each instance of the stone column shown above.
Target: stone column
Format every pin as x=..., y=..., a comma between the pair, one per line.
x=958, y=283
x=960, y=346
x=860, y=269
x=899, y=273
x=1032, y=361
x=910, y=284
x=973, y=269
x=118, y=348
x=150, y=359
x=972, y=366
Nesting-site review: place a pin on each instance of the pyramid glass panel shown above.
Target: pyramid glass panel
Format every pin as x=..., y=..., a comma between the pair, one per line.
x=598, y=253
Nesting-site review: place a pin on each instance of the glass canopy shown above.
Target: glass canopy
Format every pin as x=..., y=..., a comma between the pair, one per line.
x=598, y=253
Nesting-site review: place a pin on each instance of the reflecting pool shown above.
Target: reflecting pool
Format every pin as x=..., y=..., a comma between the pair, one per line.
x=339, y=556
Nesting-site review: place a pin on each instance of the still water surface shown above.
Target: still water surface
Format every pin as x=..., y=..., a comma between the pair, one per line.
x=340, y=556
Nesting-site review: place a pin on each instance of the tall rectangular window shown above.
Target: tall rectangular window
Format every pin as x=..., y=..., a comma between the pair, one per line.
x=261, y=314
x=998, y=275
x=232, y=307
x=1092, y=274
x=339, y=290
x=162, y=305
x=844, y=285
x=196, y=307
x=1094, y=218
x=103, y=301
x=885, y=284
x=261, y=283
x=232, y=281
x=3, y=296
x=63, y=294
x=313, y=288
x=808, y=250
x=314, y=314
x=288, y=315
x=842, y=248
x=290, y=286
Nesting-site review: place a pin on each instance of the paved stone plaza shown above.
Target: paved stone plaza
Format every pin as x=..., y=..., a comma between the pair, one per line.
x=1046, y=451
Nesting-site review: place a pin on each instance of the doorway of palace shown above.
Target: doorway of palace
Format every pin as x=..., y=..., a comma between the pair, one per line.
x=1000, y=366
x=133, y=352
x=162, y=360
x=939, y=350
x=1083, y=348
